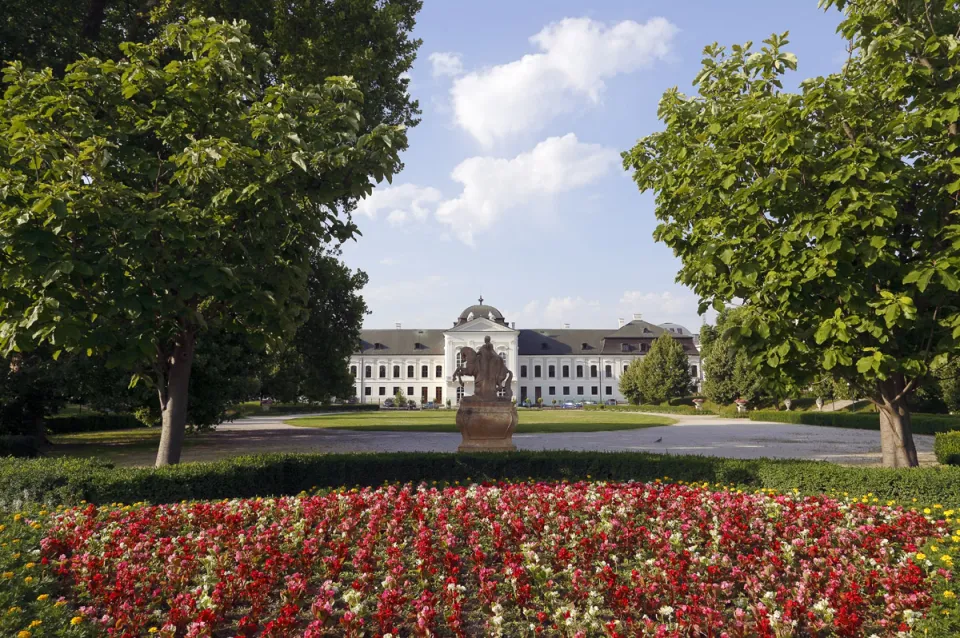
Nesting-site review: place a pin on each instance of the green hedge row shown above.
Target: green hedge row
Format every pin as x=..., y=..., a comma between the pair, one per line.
x=18, y=445
x=91, y=423
x=946, y=446
x=726, y=411
x=69, y=481
x=921, y=423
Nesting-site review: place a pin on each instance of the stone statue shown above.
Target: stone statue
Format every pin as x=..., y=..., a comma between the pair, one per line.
x=486, y=421
x=488, y=370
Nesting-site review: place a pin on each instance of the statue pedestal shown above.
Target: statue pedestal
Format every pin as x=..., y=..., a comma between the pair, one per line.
x=487, y=425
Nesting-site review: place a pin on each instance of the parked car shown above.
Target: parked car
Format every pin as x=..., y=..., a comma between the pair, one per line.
x=611, y=402
x=569, y=405
x=589, y=402
x=389, y=403
x=411, y=405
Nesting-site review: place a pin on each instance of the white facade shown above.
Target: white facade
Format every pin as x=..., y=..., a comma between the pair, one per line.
x=545, y=363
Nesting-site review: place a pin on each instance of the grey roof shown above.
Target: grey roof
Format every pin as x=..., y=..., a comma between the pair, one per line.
x=552, y=341
x=401, y=342
x=675, y=328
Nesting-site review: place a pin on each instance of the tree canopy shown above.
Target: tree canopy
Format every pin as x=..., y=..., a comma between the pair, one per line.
x=831, y=212
x=662, y=374
x=142, y=200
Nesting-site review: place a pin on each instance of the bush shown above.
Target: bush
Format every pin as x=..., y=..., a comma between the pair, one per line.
x=69, y=481
x=920, y=423
x=92, y=423
x=663, y=409
x=19, y=446
x=946, y=446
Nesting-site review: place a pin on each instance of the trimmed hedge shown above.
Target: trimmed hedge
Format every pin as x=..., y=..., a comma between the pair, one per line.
x=920, y=423
x=946, y=446
x=663, y=409
x=92, y=423
x=69, y=481
x=281, y=409
x=19, y=446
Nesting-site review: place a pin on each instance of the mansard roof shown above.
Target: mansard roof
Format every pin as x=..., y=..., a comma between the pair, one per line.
x=401, y=342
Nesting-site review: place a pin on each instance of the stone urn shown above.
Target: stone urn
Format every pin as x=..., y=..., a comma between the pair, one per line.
x=487, y=425
x=788, y=403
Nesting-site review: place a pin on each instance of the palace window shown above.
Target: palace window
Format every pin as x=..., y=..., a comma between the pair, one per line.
x=383, y=372
x=366, y=391
x=523, y=371
x=593, y=371
x=409, y=390
x=566, y=371
x=459, y=393
x=551, y=371
x=439, y=371
x=552, y=390
x=624, y=347
x=459, y=358
x=644, y=347
x=353, y=371
x=579, y=390
x=409, y=372
x=693, y=371
x=396, y=372
x=593, y=389
x=383, y=391
x=367, y=372
x=503, y=355
x=424, y=372
x=608, y=370
x=566, y=390
x=396, y=389
x=579, y=372
x=537, y=371
x=609, y=390
x=625, y=369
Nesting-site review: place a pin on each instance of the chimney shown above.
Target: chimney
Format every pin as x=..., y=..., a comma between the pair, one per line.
x=621, y=322
x=513, y=325
x=398, y=325
x=566, y=326
x=636, y=316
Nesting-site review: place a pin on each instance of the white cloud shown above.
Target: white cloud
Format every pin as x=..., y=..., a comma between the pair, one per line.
x=404, y=202
x=492, y=185
x=403, y=290
x=577, y=55
x=446, y=64
x=388, y=261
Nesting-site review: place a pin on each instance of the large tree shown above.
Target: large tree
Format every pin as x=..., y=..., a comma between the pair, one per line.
x=831, y=212
x=314, y=364
x=662, y=374
x=729, y=372
x=142, y=200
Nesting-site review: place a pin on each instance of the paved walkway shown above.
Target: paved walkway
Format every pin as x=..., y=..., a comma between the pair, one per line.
x=706, y=435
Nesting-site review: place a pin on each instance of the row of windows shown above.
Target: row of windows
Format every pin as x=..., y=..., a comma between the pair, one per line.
x=424, y=372
x=552, y=391
x=565, y=371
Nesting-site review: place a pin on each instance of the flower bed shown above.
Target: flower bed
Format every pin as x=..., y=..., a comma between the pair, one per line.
x=570, y=559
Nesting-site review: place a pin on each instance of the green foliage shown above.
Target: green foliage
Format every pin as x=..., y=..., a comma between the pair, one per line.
x=92, y=423
x=829, y=212
x=662, y=374
x=18, y=445
x=313, y=364
x=946, y=446
x=920, y=423
x=664, y=409
x=31, y=387
x=62, y=481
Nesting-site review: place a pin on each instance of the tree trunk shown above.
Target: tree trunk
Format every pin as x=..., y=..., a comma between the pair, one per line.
x=174, y=392
x=896, y=435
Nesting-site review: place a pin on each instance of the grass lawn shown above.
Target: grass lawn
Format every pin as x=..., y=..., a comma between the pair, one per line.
x=115, y=446
x=531, y=421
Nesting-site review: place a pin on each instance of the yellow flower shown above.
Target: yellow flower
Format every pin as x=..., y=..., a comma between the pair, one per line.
x=36, y=623
x=933, y=547
x=14, y=610
x=152, y=630
x=926, y=510
x=60, y=603
x=921, y=556
x=76, y=620
x=28, y=579
x=17, y=517
x=43, y=596
x=949, y=595
x=24, y=634
x=947, y=558
x=8, y=575
x=2, y=527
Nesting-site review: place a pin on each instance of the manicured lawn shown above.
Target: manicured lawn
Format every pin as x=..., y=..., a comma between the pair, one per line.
x=531, y=421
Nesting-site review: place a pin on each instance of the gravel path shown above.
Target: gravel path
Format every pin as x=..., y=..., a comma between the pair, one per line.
x=705, y=435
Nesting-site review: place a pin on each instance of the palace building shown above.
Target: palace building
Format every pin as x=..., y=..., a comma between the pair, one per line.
x=561, y=364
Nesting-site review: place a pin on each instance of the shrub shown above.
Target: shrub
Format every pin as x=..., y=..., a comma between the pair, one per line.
x=92, y=423
x=664, y=409
x=69, y=481
x=18, y=445
x=946, y=446
x=920, y=423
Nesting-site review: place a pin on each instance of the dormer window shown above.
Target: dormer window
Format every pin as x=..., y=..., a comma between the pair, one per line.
x=544, y=346
x=624, y=347
x=584, y=346
x=646, y=330
x=378, y=346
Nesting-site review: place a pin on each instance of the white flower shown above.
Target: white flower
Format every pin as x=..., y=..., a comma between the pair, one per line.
x=666, y=610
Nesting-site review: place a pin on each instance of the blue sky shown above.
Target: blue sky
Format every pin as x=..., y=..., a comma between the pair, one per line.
x=513, y=186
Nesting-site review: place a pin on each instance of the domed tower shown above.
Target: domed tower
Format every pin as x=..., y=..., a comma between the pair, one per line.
x=480, y=310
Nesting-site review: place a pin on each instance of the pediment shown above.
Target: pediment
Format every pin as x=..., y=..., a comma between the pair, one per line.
x=481, y=324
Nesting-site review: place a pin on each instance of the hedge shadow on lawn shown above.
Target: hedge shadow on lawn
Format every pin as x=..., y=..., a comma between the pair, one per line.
x=70, y=481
